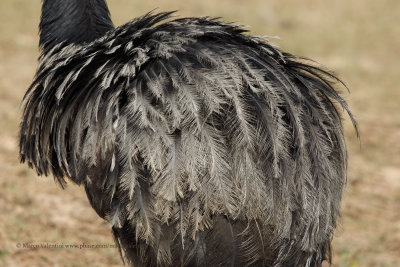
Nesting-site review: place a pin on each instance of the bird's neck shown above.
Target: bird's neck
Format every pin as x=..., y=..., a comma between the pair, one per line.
x=73, y=21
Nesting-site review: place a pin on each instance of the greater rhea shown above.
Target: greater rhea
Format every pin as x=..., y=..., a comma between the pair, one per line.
x=200, y=144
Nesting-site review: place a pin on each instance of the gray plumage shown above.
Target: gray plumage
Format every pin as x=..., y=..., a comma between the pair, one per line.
x=199, y=144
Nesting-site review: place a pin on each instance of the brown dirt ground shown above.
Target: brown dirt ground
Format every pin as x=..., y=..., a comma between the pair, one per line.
x=358, y=39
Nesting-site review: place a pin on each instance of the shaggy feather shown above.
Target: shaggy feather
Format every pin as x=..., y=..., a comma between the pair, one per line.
x=200, y=145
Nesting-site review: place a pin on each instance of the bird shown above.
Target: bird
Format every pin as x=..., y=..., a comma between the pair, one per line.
x=199, y=143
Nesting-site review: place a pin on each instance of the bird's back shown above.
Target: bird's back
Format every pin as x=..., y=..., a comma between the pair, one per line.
x=200, y=145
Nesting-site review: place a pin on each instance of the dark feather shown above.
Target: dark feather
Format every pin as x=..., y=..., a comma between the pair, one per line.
x=200, y=145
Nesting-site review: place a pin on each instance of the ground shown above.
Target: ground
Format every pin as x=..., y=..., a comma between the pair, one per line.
x=359, y=40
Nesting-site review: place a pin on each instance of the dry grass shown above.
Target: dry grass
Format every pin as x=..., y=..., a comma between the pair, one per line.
x=358, y=39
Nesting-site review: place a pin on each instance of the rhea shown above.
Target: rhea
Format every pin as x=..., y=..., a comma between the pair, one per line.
x=199, y=144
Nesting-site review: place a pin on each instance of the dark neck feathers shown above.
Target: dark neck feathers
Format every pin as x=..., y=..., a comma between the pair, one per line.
x=73, y=21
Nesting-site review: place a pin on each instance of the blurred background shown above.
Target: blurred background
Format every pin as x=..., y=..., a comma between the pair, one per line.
x=359, y=40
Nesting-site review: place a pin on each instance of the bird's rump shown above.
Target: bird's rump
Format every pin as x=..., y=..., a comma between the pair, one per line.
x=189, y=129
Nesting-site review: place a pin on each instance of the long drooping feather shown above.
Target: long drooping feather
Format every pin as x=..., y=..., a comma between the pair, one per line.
x=200, y=145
